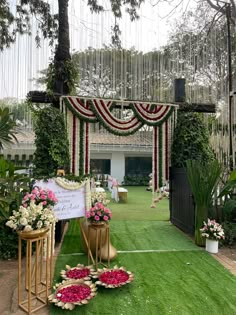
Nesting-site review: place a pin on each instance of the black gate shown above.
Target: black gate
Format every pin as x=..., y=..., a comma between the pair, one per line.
x=181, y=201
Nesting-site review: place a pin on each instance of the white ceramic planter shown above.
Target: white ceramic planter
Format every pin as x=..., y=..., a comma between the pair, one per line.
x=212, y=246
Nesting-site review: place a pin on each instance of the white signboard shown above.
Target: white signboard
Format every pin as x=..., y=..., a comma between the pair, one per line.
x=71, y=203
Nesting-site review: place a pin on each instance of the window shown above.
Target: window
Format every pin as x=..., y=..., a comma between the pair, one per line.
x=100, y=166
x=138, y=166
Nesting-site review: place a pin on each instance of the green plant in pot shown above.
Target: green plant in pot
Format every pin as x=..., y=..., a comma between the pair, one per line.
x=203, y=178
x=228, y=192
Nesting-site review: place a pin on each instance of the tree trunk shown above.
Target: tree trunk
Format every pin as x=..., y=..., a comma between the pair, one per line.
x=62, y=55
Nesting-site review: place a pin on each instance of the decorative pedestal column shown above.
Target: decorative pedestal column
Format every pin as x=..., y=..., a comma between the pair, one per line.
x=35, y=282
x=98, y=228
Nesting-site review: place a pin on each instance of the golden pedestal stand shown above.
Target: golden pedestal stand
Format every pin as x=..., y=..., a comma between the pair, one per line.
x=98, y=228
x=35, y=282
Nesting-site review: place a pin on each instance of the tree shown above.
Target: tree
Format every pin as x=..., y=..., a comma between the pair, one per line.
x=17, y=19
x=221, y=7
x=55, y=26
x=7, y=127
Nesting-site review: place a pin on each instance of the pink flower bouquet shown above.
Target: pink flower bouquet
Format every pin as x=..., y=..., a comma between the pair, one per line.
x=99, y=213
x=40, y=195
x=212, y=230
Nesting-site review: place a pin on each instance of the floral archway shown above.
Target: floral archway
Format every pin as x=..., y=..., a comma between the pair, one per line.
x=80, y=112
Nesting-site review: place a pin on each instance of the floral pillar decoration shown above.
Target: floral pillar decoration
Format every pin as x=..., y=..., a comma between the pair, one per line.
x=155, y=160
x=166, y=150
x=86, y=148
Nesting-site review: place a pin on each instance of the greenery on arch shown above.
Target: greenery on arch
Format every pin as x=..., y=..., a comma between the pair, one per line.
x=191, y=140
x=52, y=146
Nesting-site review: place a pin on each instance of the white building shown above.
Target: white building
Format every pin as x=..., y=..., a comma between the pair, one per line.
x=109, y=154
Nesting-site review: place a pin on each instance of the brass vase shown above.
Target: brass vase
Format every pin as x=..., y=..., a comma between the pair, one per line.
x=104, y=242
x=33, y=234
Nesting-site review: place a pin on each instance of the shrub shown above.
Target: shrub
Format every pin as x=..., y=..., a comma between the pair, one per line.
x=230, y=233
x=8, y=242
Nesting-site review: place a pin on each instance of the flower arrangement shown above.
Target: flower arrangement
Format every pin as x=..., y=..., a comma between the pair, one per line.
x=78, y=272
x=212, y=230
x=40, y=195
x=70, y=293
x=99, y=213
x=33, y=217
x=113, y=278
x=99, y=197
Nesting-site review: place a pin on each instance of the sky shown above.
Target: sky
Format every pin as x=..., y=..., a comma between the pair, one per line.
x=21, y=63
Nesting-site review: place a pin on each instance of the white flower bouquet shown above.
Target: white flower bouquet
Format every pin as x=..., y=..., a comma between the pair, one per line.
x=100, y=197
x=33, y=217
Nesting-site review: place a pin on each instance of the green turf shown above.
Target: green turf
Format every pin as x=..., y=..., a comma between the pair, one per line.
x=134, y=235
x=177, y=283
x=138, y=206
x=175, y=277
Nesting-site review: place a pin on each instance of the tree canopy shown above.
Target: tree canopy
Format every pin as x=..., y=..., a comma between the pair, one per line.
x=16, y=18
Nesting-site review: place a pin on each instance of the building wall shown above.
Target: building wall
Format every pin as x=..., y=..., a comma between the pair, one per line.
x=118, y=161
x=24, y=153
x=118, y=166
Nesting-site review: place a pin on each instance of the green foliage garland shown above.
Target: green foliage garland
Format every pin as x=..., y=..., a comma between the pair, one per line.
x=151, y=123
x=52, y=147
x=191, y=140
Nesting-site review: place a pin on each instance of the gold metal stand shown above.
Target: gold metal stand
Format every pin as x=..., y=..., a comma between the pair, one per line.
x=34, y=284
x=98, y=243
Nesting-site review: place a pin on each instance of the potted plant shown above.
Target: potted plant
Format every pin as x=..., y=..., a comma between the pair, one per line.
x=213, y=232
x=203, y=178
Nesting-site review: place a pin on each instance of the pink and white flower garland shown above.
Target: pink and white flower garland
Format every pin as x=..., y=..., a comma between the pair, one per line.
x=90, y=109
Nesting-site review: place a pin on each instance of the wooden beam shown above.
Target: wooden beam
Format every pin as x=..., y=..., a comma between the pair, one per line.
x=197, y=107
x=43, y=97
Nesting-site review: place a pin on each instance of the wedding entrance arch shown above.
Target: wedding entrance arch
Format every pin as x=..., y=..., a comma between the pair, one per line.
x=81, y=111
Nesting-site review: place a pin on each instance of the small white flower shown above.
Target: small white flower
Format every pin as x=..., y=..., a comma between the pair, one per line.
x=39, y=224
x=28, y=228
x=23, y=221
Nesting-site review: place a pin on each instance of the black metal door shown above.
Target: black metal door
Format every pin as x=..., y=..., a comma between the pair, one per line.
x=182, y=212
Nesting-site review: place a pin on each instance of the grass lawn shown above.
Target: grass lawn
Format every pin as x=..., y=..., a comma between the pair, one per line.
x=172, y=275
